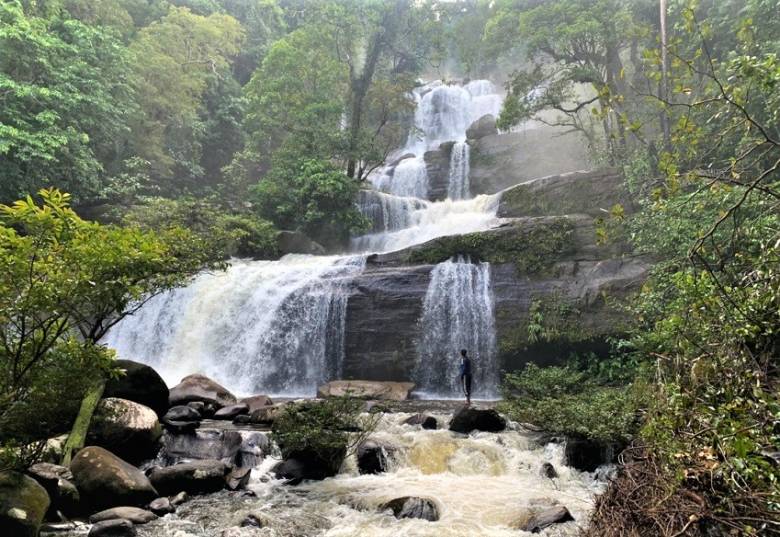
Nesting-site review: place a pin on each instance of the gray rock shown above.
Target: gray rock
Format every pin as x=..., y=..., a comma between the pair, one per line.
x=162, y=506
x=203, y=444
x=547, y=517
x=201, y=388
x=128, y=429
x=23, y=504
x=423, y=420
x=413, y=507
x=140, y=384
x=113, y=528
x=296, y=242
x=135, y=515
x=256, y=402
x=198, y=406
x=372, y=456
x=182, y=413
x=179, y=499
x=58, y=482
x=472, y=419
x=197, y=477
x=238, y=478
x=230, y=412
x=484, y=126
x=104, y=480
x=548, y=471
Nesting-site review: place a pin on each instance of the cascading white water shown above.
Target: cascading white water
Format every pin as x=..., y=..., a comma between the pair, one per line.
x=432, y=220
x=458, y=185
x=278, y=326
x=261, y=326
x=457, y=314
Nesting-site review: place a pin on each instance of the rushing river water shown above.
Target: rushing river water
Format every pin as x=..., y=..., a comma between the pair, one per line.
x=482, y=485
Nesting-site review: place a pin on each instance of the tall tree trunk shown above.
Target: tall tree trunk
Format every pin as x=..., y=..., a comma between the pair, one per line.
x=663, y=88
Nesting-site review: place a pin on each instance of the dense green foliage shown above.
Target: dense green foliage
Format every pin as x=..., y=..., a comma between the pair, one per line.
x=327, y=430
x=63, y=283
x=571, y=402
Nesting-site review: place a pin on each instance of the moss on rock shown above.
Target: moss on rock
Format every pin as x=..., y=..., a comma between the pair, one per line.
x=531, y=248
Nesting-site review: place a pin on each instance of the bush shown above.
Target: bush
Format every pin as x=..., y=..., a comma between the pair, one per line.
x=329, y=429
x=311, y=196
x=225, y=234
x=565, y=401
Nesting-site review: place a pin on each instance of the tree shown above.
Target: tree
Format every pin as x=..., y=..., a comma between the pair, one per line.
x=64, y=283
x=312, y=196
x=174, y=59
x=64, y=102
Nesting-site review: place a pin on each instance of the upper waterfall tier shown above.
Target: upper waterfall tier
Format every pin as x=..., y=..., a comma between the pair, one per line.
x=443, y=113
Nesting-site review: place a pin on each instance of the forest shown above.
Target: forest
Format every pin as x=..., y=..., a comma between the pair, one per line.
x=144, y=143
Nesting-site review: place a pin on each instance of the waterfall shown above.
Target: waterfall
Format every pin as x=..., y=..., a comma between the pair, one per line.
x=432, y=220
x=458, y=187
x=259, y=327
x=458, y=313
x=278, y=327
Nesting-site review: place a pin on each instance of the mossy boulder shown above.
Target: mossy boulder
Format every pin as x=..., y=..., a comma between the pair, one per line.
x=532, y=245
x=104, y=480
x=130, y=430
x=23, y=504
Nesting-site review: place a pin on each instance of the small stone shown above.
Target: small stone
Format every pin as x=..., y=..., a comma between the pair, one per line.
x=113, y=528
x=548, y=471
x=179, y=499
x=413, y=507
x=162, y=506
x=135, y=515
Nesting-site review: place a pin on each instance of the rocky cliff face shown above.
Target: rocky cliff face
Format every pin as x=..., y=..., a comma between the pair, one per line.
x=555, y=289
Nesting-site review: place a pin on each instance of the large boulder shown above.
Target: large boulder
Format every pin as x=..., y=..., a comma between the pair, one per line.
x=128, y=429
x=295, y=242
x=413, y=507
x=484, y=126
x=201, y=388
x=310, y=464
x=256, y=402
x=367, y=389
x=118, y=527
x=196, y=477
x=23, y=504
x=136, y=515
x=203, y=444
x=104, y=480
x=473, y=419
x=58, y=482
x=140, y=384
x=230, y=412
x=373, y=455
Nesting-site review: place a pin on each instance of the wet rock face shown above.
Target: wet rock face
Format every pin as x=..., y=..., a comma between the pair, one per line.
x=372, y=456
x=140, y=384
x=484, y=126
x=197, y=477
x=201, y=388
x=473, y=419
x=587, y=455
x=413, y=507
x=58, y=482
x=437, y=165
x=23, y=504
x=310, y=464
x=104, y=480
x=203, y=444
x=128, y=429
x=499, y=161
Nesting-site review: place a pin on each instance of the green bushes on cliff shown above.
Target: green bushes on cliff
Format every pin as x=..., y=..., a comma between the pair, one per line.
x=572, y=402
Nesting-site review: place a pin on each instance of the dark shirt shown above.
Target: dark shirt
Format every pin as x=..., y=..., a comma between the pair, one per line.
x=465, y=367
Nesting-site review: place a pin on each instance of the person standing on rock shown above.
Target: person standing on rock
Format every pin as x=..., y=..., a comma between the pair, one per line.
x=465, y=375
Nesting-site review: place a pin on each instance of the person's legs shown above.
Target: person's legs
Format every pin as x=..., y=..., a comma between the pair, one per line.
x=467, y=382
